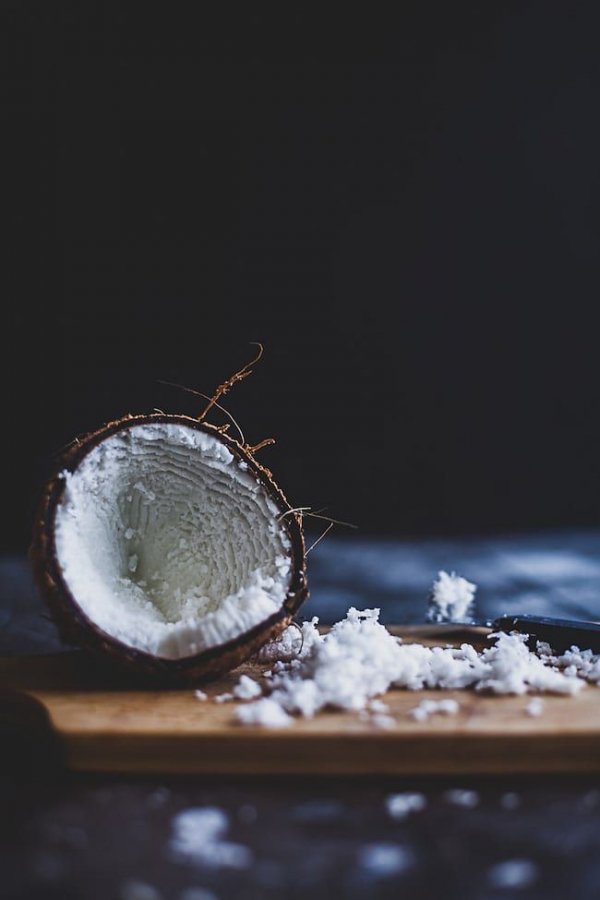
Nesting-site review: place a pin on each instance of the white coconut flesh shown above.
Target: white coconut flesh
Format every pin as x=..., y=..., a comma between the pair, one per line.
x=168, y=543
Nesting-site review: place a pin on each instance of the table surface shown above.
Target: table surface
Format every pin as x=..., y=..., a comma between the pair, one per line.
x=66, y=836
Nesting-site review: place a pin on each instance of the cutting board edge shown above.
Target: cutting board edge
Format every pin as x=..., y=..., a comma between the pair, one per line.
x=326, y=756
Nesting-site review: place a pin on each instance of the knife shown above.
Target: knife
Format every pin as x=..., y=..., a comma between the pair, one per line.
x=561, y=634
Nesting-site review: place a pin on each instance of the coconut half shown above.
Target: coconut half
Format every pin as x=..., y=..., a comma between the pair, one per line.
x=162, y=542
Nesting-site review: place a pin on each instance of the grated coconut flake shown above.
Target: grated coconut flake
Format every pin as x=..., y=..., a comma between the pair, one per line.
x=428, y=708
x=247, y=688
x=198, y=837
x=513, y=874
x=535, y=707
x=451, y=598
x=266, y=713
x=359, y=660
x=400, y=806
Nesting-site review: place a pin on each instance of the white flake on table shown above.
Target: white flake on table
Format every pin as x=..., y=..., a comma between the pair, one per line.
x=535, y=707
x=382, y=721
x=198, y=836
x=358, y=660
x=247, y=688
x=428, y=708
x=513, y=874
x=384, y=859
x=265, y=713
x=400, y=806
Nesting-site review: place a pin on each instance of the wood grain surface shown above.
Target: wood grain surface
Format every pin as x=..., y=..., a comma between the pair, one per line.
x=103, y=725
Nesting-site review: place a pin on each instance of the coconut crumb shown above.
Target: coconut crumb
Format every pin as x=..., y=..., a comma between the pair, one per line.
x=378, y=706
x=400, y=806
x=358, y=660
x=428, y=708
x=224, y=698
x=513, y=874
x=382, y=721
x=514, y=669
x=247, y=689
x=535, y=707
x=266, y=713
x=200, y=695
x=452, y=598
x=382, y=860
x=199, y=837
x=585, y=663
x=295, y=642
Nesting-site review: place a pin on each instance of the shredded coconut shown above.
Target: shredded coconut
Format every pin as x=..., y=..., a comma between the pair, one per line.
x=247, y=689
x=247, y=814
x=535, y=707
x=266, y=713
x=514, y=874
x=585, y=663
x=359, y=660
x=382, y=860
x=400, y=806
x=295, y=642
x=201, y=695
x=428, y=708
x=378, y=706
x=198, y=837
x=384, y=722
x=451, y=598
x=224, y=698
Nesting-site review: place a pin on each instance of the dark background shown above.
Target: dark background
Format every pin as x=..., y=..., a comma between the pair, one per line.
x=405, y=212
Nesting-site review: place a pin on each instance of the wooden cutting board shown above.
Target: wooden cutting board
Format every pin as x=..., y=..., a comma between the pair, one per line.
x=102, y=726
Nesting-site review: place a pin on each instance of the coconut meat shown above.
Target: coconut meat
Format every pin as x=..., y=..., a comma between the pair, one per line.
x=168, y=543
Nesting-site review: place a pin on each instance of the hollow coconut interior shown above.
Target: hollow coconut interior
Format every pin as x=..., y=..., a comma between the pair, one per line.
x=168, y=543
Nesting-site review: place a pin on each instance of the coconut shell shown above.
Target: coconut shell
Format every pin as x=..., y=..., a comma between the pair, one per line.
x=76, y=628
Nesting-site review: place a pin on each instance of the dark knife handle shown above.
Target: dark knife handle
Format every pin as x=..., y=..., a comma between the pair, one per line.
x=561, y=634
